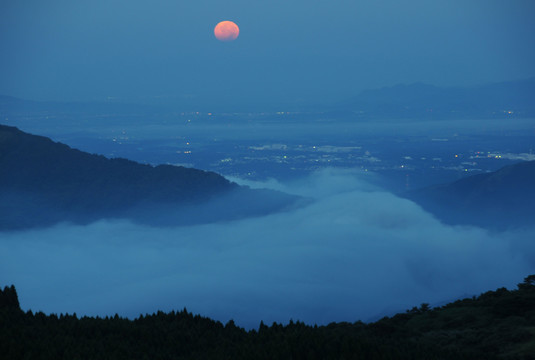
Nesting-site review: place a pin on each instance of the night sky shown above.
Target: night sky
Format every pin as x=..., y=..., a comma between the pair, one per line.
x=288, y=51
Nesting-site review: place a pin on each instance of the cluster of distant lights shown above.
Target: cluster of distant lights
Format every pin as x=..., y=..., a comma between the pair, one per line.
x=489, y=155
x=478, y=154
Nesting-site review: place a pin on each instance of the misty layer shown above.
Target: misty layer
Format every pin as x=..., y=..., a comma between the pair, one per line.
x=354, y=252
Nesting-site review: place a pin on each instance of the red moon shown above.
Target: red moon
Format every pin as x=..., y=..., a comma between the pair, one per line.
x=226, y=31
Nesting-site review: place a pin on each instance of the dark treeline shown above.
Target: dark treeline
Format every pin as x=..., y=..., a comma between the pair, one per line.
x=496, y=325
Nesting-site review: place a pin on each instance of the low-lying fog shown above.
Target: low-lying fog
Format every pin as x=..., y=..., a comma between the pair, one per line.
x=355, y=252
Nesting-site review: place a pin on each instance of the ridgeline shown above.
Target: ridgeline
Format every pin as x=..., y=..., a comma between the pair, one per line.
x=43, y=183
x=495, y=325
x=498, y=200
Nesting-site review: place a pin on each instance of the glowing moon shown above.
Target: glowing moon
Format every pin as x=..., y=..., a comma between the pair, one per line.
x=226, y=31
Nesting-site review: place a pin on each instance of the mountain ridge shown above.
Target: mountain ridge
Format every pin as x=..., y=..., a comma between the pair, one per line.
x=43, y=182
x=494, y=325
x=504, y=99
x=496, y=200
x=494, y=100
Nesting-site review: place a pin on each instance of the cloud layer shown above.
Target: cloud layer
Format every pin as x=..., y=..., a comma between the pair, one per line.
x=354, y=252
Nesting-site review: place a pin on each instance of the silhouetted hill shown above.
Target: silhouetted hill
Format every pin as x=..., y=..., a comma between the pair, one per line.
x=43, y=182
x=497, y=200
x=496, y=325
x=500, y=100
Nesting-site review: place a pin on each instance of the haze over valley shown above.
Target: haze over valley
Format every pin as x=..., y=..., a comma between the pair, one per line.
x=344, y=251
x=333, y=163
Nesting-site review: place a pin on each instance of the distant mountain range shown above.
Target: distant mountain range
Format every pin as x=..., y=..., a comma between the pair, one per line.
x=497, y=200
x=43, y=183
x=499, y=100
x=418, y=100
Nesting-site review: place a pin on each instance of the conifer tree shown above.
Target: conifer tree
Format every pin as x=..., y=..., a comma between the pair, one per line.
x=9, y=298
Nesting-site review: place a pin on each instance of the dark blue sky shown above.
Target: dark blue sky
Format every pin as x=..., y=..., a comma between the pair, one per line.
x=287, y=50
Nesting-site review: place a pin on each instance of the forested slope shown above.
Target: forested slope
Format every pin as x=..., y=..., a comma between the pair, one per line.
x=43, y=182
x=496, y=325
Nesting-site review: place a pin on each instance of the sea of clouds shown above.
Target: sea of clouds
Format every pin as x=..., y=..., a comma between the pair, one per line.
x=353, y=252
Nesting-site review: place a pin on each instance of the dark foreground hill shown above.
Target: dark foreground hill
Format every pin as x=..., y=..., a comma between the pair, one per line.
x=496, y=325
x=43, y=183
x=497, y=200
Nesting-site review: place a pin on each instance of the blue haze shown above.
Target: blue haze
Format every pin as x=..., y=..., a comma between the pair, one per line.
x=356, y=251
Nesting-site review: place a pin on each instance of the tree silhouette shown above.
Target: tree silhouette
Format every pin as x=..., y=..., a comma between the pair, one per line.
x=9, y=298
